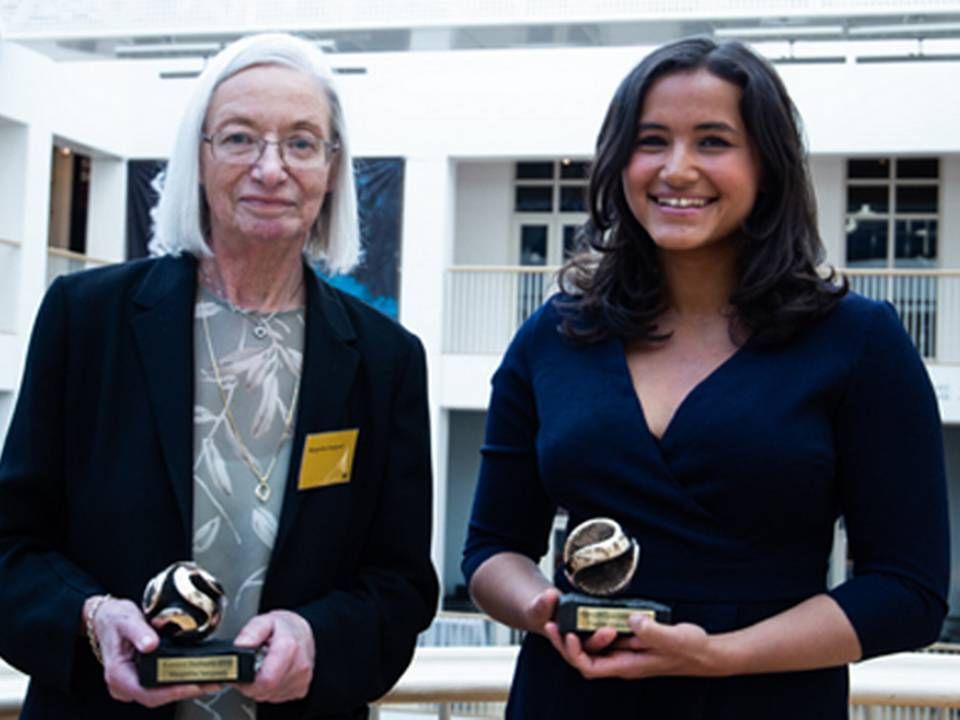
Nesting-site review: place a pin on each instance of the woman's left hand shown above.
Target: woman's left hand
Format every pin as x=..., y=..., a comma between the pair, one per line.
x=654, y=649
x=287, y=667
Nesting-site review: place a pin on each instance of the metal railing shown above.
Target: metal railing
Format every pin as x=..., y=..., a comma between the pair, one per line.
x=486, y=304
x=906, y=686
x=9, y=285
x=928, y=302
x=63, y=262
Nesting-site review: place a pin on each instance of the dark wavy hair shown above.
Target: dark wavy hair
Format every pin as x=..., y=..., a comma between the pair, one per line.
x=616, y=287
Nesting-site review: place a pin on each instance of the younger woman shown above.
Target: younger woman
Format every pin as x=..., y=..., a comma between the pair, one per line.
x=703, y=384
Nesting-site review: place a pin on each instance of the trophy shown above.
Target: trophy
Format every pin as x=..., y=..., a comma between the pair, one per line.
x=599, y=560
x=184, y=604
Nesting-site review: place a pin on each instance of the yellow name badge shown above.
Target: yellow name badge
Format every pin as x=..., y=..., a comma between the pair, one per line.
x=327, y=459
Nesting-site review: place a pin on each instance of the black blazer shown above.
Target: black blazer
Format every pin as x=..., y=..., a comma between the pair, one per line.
x=96, y=487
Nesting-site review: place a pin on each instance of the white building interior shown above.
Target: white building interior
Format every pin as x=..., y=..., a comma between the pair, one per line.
x=494, y=108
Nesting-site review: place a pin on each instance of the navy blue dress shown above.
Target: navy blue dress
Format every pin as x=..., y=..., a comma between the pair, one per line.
x=733, y=507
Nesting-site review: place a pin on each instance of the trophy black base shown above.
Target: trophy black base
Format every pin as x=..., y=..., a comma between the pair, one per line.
x=584, y=614
x=211, y=661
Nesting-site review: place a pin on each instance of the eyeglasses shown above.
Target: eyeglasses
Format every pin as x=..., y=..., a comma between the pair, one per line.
x=300, y=151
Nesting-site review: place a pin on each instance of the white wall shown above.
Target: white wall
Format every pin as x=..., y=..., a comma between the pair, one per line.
x=24, y=76
x=946, y=383
x=885, y=108
x=107, y=209
x=90, y=112
x=951, y=439
x=495, y=104
x=827, y=174
x=484, y=207
x=950, y=210
x=6, y=409
x=466, y=436
x=13, y=146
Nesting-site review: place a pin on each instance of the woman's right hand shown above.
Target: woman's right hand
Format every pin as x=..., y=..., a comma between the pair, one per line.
x=540, y=613
x=510, y=588
x=122, y=631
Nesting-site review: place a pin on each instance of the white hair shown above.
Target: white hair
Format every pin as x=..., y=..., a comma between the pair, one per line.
x=180, y=218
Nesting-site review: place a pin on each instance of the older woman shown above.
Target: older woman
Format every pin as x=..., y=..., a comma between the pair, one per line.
x=167, y=410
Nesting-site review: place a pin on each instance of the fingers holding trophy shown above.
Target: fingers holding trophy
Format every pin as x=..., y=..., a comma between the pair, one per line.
x=184, y=603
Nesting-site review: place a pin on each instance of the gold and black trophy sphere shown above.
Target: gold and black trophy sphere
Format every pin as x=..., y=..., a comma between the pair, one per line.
x=184, y=604
x=599, y=559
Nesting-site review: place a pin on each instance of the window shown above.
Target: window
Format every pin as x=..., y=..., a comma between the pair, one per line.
x=892, y=227
x=892, y=212
x=550, y=205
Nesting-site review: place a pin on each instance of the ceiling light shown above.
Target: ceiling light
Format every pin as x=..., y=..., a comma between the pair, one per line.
x=782, y=31
x=142, y=50
x=905, y=29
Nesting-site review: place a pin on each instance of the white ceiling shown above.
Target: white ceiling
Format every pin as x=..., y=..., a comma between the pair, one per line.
x=99, y=29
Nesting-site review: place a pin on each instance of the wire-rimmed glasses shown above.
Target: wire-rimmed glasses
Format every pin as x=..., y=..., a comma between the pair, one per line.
x=301, y=150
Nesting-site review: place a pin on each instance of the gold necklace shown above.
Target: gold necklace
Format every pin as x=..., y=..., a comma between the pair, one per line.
x=259, y=321
x=262, y=490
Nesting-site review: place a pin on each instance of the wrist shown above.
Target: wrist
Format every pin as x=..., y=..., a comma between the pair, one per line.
x=92, y=606
x=723, y=656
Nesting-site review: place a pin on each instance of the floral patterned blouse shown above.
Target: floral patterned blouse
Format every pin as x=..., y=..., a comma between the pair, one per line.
x=258, y=358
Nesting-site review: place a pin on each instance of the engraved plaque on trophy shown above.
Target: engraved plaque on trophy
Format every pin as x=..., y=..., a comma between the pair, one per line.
x=184, y=604
x=600, y=560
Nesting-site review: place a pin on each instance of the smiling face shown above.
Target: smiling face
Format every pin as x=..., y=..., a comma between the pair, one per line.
x=693, y=177
x=265, y=201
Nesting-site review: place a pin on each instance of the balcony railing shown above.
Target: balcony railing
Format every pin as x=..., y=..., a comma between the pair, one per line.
x=9, y=284
x=63, y=262
x=461, y=681
x=486, y=304
x=455, y=680
x=928, y=302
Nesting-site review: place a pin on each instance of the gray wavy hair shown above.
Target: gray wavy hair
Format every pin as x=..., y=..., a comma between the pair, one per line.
x=180, y=217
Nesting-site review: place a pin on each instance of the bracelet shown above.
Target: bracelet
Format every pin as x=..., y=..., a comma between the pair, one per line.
x=91, y=632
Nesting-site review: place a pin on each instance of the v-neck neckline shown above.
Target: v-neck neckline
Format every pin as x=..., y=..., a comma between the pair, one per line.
x=695, y=390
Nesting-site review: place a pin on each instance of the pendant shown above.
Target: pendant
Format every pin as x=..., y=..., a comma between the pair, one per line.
x=262, y=491
x=260, y=331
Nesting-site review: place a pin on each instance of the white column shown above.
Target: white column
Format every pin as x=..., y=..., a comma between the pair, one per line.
x=948, y=295
x=13, y=150
x=36, y=209
x=827, y=176
x=426, y=253
x=107, y=209
x=24, y=211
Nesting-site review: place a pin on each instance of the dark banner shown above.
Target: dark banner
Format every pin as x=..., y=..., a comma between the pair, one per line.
x=380, y=206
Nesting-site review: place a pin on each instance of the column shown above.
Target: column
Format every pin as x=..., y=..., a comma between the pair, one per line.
x=107, y=209
x=426, y=253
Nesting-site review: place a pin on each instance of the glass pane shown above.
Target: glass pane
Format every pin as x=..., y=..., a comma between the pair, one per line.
x=534, y=171
x=573, y=198
x=570, y=170
x=866, y=243
x=571, y=239
x=868, y=199
x=533, y=245
x=915, y=243
x=918, y=168
x=534, y=199
x=916, y=198
x=872, y=168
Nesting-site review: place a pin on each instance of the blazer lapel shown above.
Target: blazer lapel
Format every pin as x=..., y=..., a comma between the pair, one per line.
x=330, y=363
x=163, y=327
